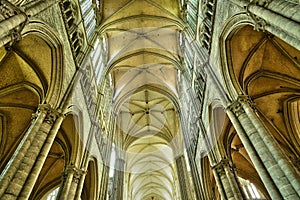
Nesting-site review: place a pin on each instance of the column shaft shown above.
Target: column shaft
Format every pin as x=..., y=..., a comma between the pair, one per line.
x=104, y=182
x=64, y=188
x=220, y=185
x=17, y=20
x=207, y=146
x=183, y=177
x=273, y=20
x=285, y=167
x=72, y=177
x=80, y=187
x=226, y=182
x=14, y=163
x=34, y=174
x=232, y=181
x=118, y=180
x=223, y=172
x=19, y=168
x=289, y=26
x=260, y=168
x=196, y=179
x=11, y=23
x=266, y=166
x=269, y=152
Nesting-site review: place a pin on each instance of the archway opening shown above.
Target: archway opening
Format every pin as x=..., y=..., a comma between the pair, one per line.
x=267, y=69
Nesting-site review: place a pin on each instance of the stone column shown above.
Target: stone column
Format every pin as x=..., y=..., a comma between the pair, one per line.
x=104, y=182
x=25, y=165
x=280, y=182
x=279, y=17
x=189, y=137
x=233, y=182
x=223, y=172
x=117, y=191
x=85, y=161
x=273, y=160
x=233, y=111
x=106, y=150
x=196, y=179
x=80, y=186
x=16, y=18
x=183, y=177
x=71, y=178
x=259, y=166
x=34, y=174
x=211, y=158
x=219, y=184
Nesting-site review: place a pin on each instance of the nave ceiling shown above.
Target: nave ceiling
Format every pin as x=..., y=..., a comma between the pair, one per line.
x=143, y=75
x=143, y=69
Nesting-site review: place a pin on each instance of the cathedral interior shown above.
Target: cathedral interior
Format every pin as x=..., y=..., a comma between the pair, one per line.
x=150, y=99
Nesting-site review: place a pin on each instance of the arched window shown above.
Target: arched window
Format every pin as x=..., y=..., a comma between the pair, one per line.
x=192, y=14
x=52, y=195
x=89, y=17
x=98, y=57
x=250, y=190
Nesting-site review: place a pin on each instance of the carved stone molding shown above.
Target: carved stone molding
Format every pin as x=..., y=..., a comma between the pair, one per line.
x=263, y=3
x=248, y=100
x=75, y=171
x=51, y=114
x=236, y=108
x=221, y=165
x=7, y=9
x=259, y=23
x=203, y=7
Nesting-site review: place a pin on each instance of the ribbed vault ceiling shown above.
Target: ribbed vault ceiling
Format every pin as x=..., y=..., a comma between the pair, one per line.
x=143, y=67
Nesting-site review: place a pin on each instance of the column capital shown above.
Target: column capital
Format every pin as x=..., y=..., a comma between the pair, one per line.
x=259, y=23
x=51, y=113
x=8, y=9
x=179, y=156
x=221, y=165
x=245, y=99
x=75, y=171
x=237, y=106
x=263, y=3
